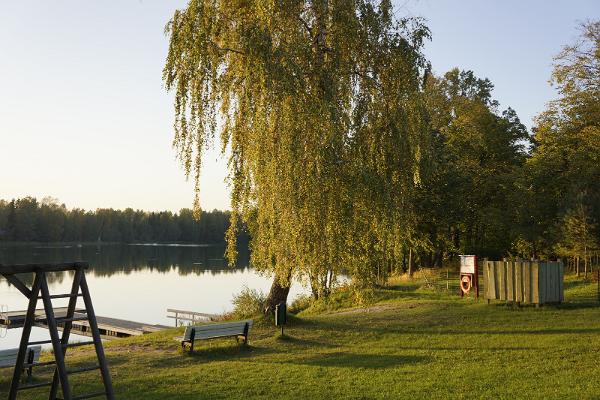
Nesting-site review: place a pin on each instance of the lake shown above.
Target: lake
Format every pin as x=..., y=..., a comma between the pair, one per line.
x=137, y=282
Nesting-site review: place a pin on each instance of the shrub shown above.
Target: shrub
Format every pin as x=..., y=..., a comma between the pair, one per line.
x=300, y=303
x=248, y=303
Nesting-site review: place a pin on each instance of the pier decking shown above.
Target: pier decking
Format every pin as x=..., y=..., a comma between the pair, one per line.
x=16, y=319
x=191, y=317
x=108, y=327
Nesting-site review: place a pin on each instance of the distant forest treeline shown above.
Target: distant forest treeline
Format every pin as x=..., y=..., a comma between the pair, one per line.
x=30, y=220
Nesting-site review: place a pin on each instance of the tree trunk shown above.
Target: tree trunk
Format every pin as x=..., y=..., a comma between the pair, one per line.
x=585, y=261
x=277, y=294
x=410, y=262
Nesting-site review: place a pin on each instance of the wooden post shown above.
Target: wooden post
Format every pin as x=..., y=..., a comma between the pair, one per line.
x=56, y=342
x=110, y=395
x=67, y=328
x=29, y=321
x=192, y=338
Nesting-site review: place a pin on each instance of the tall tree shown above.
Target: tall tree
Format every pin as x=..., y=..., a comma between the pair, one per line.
x=578, y=238
x=319, y=109
x=478, y=152
x=564, y=169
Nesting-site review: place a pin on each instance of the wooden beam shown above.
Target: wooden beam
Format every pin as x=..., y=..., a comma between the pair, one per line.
x=16, y=282
x=29, y=268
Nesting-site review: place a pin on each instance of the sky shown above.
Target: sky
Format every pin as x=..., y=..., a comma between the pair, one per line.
x=85, y=118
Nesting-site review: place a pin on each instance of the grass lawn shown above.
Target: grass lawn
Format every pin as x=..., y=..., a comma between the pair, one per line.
x=410, y=343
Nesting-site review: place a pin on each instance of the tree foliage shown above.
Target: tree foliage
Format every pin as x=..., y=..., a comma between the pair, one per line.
x=27, y=220
x=564, y=168
x=346, y=154
x=319, y=107
x=478, y=151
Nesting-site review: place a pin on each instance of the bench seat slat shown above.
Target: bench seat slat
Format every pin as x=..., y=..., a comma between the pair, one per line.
x=205, y=335
x=203, y=330
x=213, y=331
x=209, y=327
x=8, y=358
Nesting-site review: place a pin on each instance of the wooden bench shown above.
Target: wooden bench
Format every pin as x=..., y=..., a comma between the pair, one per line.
x=8, y=358
x=239, y=329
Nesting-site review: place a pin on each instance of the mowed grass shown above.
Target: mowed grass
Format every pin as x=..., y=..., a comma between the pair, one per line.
x=411, y=343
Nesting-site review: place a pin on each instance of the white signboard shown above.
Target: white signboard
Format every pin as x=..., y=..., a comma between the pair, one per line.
x=467, y=264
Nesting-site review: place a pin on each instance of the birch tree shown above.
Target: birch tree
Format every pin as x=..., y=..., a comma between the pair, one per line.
x=318, y=107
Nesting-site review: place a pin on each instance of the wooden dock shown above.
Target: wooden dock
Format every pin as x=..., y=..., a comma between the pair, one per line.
x=189, y=317
x=16, y=319
x=109, y=328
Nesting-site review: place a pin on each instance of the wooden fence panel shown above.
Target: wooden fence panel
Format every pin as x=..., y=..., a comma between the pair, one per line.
x=535, y=283
x=524, y=281
x=510, y=281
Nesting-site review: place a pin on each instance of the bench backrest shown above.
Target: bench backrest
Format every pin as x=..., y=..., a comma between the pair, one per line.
x=8, y=358
x=217, y=330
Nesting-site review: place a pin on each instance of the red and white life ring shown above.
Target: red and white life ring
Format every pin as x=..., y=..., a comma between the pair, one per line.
x=465, y=283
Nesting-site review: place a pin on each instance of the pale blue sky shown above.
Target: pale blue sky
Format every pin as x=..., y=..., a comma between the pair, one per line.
x=84, y=116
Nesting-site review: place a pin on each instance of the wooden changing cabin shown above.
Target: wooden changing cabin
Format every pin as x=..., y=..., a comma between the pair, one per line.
x=533, y=282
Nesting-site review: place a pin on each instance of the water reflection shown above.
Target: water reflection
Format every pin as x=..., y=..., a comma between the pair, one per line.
x=107, y=260
x=138, y=282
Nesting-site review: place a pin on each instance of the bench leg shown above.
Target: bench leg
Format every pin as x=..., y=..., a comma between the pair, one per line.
x=30, y=358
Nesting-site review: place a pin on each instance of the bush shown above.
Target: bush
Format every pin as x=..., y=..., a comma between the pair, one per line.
x=248, y=303
x=300, y=303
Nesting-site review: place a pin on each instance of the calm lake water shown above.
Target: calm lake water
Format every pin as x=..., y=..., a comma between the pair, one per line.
x=137, y=282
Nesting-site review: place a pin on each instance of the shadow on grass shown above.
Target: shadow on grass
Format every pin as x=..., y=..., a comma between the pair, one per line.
x=299, y=342
x=200, y=355
x=572, y=303
x=352, y=360
x=465, y=332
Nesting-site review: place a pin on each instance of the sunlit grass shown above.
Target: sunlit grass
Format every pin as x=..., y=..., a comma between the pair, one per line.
x=407, y=342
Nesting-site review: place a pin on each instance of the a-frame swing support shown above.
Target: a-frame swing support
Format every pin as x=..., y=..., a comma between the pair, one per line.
x=40, y=290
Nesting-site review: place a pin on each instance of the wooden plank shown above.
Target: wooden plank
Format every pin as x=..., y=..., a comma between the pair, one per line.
x=16, y=319
x=61, y=369
x=543, y=283
x=501, y=268
x=67, y=328
x=555, y=282
x=16, y=282
x=8, y=358
x=30, y=317
x=551, y=289
x=106, y=379
x=210, y=327
x=518, y=271
x=485, y=281
x=219, y=333
x=510, y=281
x=562, y=281
x=211, y=331
x=29, y=268
x=199, y=314
x=527, y=282
x=490, y=280
x=535, y=282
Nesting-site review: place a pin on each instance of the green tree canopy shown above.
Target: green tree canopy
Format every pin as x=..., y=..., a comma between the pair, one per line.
x=478, y=151
x=564, y=170
x=318, y=106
